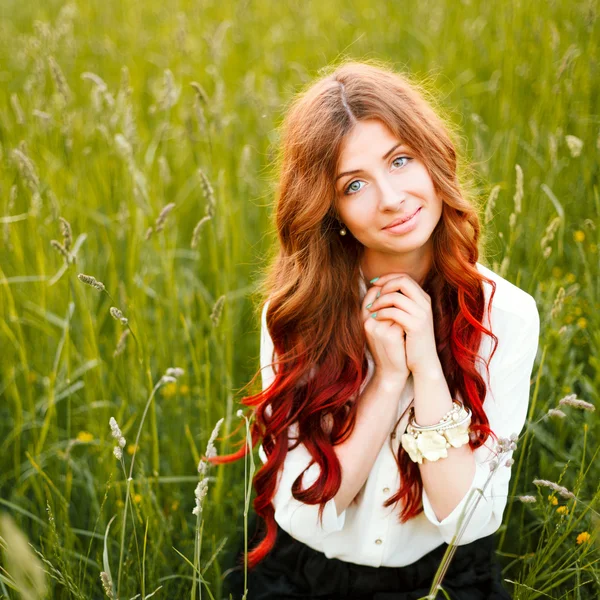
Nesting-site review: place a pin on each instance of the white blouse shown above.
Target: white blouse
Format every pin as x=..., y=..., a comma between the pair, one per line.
x=366, y=533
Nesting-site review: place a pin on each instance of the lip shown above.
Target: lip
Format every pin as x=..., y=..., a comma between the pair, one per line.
x=404, y=226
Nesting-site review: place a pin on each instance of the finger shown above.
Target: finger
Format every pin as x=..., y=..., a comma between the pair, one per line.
x=395, y=315
x=406, y=285
x=369, y=298
x=394, y=299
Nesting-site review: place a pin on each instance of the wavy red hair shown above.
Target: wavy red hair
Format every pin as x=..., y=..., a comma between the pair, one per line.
x=313, y=315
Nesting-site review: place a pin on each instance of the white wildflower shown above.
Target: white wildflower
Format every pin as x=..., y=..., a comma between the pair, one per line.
x=200, y=494
x=210, y=447
x=174, y=372
x=118, y=435
x=114, y=427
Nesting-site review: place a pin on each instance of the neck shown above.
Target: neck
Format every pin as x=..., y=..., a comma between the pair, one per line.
x=416, y=263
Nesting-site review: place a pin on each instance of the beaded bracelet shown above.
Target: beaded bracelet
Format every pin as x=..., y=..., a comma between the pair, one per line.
x=432, y=441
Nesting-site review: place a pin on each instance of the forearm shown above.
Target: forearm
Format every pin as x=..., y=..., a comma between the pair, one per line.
x=375, y=417
x=447, y=480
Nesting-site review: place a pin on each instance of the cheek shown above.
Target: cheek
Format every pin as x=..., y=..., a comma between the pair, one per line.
x=359, y=213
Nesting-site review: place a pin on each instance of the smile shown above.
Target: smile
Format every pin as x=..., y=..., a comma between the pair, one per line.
x=407, y=225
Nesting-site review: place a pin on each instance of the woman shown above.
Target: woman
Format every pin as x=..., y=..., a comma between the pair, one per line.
x=383, y=393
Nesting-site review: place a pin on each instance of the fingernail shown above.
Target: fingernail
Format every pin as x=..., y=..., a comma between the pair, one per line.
x=374, y=280
x=378, y=294
x=374, y=315
x=369, y=305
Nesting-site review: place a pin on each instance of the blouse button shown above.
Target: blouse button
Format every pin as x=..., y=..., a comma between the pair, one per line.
x=378, y=541
x=386, y=490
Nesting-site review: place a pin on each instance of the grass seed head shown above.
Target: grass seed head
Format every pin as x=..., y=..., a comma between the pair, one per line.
x=208, y=192
x=215, y=316
x=121, y=343
x=160, y=221
x=556, y=412
x=89, y=280
x=107, y=584
x=26, y=168
x=196, y=232
x=527, y=499
x=518, y=197
x=67, y=233
x=572, y=400
x=118, y=315
x=574, y=144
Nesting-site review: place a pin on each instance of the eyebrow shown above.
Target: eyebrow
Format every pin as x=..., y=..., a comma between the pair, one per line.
x=360, y=170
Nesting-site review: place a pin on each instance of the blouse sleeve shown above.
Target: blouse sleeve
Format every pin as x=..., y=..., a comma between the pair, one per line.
x=506, y=410
x=298, y=519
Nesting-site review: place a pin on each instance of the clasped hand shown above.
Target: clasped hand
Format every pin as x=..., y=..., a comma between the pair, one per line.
x=411, y=311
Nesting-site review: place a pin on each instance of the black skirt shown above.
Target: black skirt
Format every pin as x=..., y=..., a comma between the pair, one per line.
x=293, y=570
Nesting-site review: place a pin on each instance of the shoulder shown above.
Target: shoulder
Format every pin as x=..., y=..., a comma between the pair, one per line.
x=263, y=315
x=515, y=321
x=511, y=307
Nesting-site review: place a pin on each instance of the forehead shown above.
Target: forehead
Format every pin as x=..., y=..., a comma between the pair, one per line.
x=368, y=132
x=367, y=140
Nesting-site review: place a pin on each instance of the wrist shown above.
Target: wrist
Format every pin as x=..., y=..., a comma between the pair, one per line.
x=390, y=383
x=431, y=372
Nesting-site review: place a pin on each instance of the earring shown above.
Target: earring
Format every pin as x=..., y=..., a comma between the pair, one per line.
x=343, y=230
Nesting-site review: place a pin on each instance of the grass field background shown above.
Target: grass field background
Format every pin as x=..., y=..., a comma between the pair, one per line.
x=110, y=112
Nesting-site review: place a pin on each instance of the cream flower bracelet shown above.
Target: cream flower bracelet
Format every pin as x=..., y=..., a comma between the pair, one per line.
x=432, y=441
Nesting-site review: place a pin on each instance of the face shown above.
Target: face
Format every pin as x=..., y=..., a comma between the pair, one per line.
x=388, y=183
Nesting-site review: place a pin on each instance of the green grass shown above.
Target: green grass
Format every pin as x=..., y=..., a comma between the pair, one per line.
x=517, y=77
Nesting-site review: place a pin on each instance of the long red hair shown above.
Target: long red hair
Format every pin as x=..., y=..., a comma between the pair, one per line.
x=313, y=316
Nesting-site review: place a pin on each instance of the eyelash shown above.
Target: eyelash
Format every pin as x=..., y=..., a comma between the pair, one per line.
x=346, y=193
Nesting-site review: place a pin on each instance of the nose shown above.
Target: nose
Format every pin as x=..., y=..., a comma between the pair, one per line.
x=390, y=196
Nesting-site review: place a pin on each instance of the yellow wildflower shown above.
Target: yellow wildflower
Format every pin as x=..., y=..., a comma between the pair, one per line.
x=131, y=448
x=582, y=323
x=169, y=390
x=569, y=319
x=579, y=236
x=557, y=272
x=562, y=510
x=120, y=503
x=584, y=536
x=552, y=499
x=84, y=437
x=184, y=389
x=137, y=498
x=571, y=278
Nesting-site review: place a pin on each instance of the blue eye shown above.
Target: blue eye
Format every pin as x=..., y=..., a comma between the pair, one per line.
x=351, y=184
x=349, y=192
